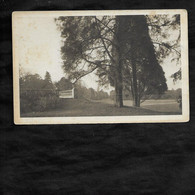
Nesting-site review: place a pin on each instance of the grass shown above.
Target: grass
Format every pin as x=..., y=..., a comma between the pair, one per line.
x=75, y=107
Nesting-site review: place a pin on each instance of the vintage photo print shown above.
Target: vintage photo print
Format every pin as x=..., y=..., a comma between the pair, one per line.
x=74, y=67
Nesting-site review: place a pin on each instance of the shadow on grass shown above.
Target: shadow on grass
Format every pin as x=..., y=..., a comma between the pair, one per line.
x=75, y=107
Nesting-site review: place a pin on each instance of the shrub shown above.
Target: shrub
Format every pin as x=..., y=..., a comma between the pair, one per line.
x=38, y=100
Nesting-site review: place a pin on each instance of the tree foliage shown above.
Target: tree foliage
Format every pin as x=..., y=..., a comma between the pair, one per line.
x=143, y=75
x=119, y=49
x=83, y=51
x=88, y=44
x=63, y=84
x=166, y=34
x=37, y=94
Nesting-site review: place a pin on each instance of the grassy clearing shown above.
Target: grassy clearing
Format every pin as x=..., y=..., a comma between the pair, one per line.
x=74, y=107
x=165, y=106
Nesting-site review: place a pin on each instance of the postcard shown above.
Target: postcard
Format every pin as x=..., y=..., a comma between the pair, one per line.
x=89, y=67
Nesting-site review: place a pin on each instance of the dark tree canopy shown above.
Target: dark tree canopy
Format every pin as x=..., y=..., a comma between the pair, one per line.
x=88, y=42
x=83, y=51
x=142, y=74
x=161, y=29
x=63, y=84
x=35, y=82
x=31, y=81
x=118, y=49
x=48, y=82
x=48, y=77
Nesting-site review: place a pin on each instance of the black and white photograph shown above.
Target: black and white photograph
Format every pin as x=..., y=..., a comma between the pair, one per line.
x=100, y=66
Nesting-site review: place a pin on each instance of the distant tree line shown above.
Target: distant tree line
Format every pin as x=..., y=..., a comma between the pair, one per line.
x=80, y=90
x=169, y=94
x=37, y=94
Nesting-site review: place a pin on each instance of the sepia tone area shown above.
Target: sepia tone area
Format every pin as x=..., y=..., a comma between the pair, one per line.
x=101, y=66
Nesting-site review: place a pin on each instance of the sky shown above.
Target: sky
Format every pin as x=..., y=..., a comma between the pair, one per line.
x=38, y=45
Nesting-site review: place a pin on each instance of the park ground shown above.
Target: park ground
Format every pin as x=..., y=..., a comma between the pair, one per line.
x=84, y=107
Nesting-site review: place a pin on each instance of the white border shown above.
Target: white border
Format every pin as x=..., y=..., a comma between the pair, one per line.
x=105, y=119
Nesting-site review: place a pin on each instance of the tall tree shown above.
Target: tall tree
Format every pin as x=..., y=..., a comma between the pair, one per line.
x=48, y=77
x=88, y=42
x=142, y=74
x=48, y=82
x=115, y=48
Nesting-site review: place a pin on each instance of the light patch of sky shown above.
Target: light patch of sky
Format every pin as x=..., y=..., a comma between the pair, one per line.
x=39, y=43
x=169, y=68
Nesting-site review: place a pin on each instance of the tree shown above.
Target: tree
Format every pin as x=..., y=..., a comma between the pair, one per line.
x=31, y=82
x=88, y=42
x=48, y=77
x=92, y=93
x=143, y=75
x=137, y=65
x=64, y=84
x=37, y=94
x=110, y=46
x=48, y=82
x=162, y=27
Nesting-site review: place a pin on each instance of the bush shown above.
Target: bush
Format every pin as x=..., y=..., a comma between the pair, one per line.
x=38, y=100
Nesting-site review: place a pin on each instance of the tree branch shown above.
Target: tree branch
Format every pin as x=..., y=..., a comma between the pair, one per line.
x=84, y=74
x=157, y=43
x=96, y=47
x=102, y=39
x=168, y=23
x=106, y=25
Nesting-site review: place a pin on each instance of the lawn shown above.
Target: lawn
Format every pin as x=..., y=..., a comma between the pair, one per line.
x=165, y=106
x=75, y=107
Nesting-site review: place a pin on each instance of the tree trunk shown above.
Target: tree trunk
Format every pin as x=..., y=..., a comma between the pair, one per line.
x=118, y=88
x=118, y=80
x=136, y=99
